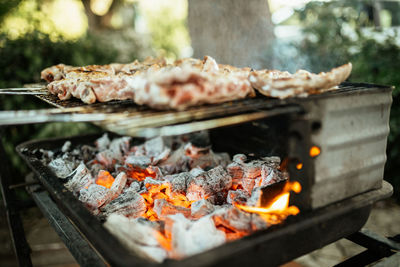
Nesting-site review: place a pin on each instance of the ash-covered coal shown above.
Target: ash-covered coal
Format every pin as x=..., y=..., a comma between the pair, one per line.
x=168, y=197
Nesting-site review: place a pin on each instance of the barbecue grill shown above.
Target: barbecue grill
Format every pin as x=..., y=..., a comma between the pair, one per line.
x=348, y=127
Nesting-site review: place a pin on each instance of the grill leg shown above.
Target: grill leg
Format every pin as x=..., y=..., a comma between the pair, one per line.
x=21, y=247
x=378, y=247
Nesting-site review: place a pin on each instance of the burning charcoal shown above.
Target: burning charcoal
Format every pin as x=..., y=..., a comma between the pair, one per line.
x=177, y=162
x=196, y=152
x=162, y=156
x=120, y=144
x=66, y=146
x=79, y=178
x=179, y=181
x=199, y=139
x=94, y=196
x=248, y=184
x=255, y=198
x=196, y=171
x=238, y=221
x=198, y=189
x=87, y=152
x=156, y=149
x=270, y=176
x=235, y=170
x=62, y=168
x=164, y=208
x=192, y=237
x=135, y=187
x=237, y=196
x=137, y=236
x=141, y=161
x=105, y=179
x=130, y=204
x=95, y=169
x=107, y=158
x=239, y=158
x=155, y=172
x=205, y=157
x=218, y=179
x=213, y=181
x=201, y=208
x=149, y=182
x=252, y=169
x=117, y=186
x=103, y=142
x=273, y=162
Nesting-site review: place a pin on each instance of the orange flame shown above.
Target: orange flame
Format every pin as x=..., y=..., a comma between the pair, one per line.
x=299, y=166
x=315, y=151
x=164, y=241
x=104, y=178
x=279, y=209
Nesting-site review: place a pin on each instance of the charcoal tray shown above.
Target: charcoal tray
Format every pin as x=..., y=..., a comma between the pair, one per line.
x=276, y=245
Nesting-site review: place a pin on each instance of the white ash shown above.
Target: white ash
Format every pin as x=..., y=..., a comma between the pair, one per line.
x=117, y=186
x=176, y=162
x=103, y=142
x=156, y=149
x=192, y=237
x=157, y=171
x=239, y=158
x=61, y=167
x=66, y=147
x=130, y=204
x=164, y=208
x=196, y=171
x=134, y=186
x=140, y=161
x=95, y=169
x=270, y=176
x=80, y=178
x=154, y=146
x=255, y=198
x=237, y=220
x=137, y=236
x=47, y=155
x=248, y=184
x=201, y=208
x=180, y=181
x=120, y=146
x=150, y=182
x=237, y=196
x=205, y=185
x=273, y=161
x=94, y=196
x=162, y=156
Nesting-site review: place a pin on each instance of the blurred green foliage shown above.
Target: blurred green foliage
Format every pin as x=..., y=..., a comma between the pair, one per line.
x=338, y=32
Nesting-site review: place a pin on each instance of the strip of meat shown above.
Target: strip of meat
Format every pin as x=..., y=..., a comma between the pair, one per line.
x=279, y=84
x=185, y=83
x=60, y=71
x=188, y=85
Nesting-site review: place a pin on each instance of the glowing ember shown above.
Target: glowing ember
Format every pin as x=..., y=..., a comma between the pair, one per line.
x=299, y=166
x=104, y=178
x=139, y=174
x=162, y=191
x=315, y=151
x=279, y=209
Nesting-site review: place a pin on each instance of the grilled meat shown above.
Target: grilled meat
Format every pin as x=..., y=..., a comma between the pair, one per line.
x=187, y=82
x=279, y=84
